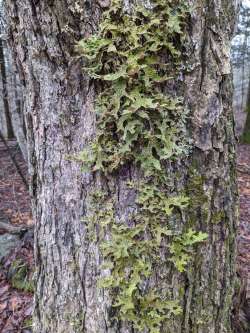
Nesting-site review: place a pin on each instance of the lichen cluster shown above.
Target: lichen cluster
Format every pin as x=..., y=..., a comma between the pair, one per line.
x=133, y=58
x=134, y=55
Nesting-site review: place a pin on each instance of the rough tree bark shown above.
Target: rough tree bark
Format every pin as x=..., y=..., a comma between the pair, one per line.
x=16, y=104
x=6, y=109
x=12, y=115
x=59, y=118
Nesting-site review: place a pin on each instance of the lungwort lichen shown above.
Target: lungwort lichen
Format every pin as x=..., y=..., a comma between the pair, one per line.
x=133, y=58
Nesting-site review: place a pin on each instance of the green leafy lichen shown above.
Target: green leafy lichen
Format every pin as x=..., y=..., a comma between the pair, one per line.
x=132, y=59
x=134, y=54
x=181, y=248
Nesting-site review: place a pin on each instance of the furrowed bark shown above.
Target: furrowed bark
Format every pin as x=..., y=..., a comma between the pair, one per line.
x=60, y=120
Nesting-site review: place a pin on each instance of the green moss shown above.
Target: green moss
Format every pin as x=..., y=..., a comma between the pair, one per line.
x=245, y=138
x=76, y=321
x=218, y=217
x=27, y=324
x=195, y=189
x=20, y=278
x=199, y=199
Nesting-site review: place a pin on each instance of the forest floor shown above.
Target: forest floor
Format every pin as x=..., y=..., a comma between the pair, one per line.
x=16, y=250
x=15, y=296
x=243, y=168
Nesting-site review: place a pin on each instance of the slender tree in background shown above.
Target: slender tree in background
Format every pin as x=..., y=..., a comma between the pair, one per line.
x=16, y=104
x=11, y=113
x=240, y=61
x=6, y=108
x=159, y=172
x=245, y=138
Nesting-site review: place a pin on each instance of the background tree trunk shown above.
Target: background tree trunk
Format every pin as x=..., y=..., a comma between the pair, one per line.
x=245, y=138
x=11, y=111
x=15, y=94
x=59, y=116
x=6, y=116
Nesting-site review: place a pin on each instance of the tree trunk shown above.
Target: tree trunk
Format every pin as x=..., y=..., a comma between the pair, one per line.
x=6, y=109
x=60, y=120
x=245, y=138
x=16, y=105
x=12, y=98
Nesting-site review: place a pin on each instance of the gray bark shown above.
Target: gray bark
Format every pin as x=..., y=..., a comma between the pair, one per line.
x=245, y=138
x=16, y=105
x=11, y=109
x=14, y=92
x=6, y=116
x=60, y=119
